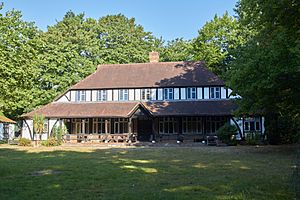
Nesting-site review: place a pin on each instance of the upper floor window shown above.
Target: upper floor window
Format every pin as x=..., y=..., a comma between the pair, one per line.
x=101, y=95
x=215, y=93
x=145, y=94
x=123, y=95
x=168, y=94
x=191, y=93
x=81, y=95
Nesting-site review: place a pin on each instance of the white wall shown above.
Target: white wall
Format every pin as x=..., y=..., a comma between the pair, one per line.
x=25, y=133
x=52, y=122
x=137, y=94
x=182, y=93
x=131, y=94
x=160, y=94
x=64, y=98
x=239, y=121
x=88, y=95
x=116, y=95
x=176, y=93
x=109, y=95
x=73, y=95
x=223, y=93
x=199, y=93
x=94, y=95
x=153, y=94
x=206, y=93
x=1, y=131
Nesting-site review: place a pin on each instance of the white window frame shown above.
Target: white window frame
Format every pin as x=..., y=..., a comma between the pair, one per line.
x=80, y=95
x=191, y=93
x=101, y=95
x=146, y=94
x=168, y=93
x=215, y=93
x=123, y=95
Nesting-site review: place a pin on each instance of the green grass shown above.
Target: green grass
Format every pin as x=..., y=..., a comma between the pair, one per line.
x=269, y=172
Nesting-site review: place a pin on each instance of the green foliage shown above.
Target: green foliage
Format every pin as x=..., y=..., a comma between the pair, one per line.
x=227, y=134
x=266, y=71
x=176, y=50
x=216, y=41
x=58, y=132
x=38, y=124
x=51, y=142
x=252, y=138
x=24, y=142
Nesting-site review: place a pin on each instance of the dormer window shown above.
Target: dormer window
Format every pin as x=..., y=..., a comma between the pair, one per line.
x=191, y=93
x=101, y=95
x=168, y=94
x=145, y=94
x=215, y=93
x=123, y=95
x=80, y=95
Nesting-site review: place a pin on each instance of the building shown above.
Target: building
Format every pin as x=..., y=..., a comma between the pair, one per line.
x=144, y=102
x=7, y=128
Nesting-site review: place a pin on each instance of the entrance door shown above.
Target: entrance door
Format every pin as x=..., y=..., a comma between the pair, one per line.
x=144, y=130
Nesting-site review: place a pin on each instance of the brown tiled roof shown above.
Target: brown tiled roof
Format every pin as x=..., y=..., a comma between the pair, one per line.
x=125, y=109
x=192, y=108
x=161, y=74
x=77, y=110
x=4, y=119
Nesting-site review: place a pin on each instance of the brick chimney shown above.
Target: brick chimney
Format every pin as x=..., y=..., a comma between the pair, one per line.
x=153, y=57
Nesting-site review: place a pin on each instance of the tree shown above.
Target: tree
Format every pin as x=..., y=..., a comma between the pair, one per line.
x=18, y=64
x=266, y=70
x=176, y=50
x=216, y=40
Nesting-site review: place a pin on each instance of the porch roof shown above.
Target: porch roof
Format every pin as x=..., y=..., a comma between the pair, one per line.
x=87, y=109
x=192, y=108
x=4, y=119
x=126, y=109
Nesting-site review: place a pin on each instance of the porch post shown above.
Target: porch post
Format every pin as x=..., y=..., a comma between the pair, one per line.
x=130, y=126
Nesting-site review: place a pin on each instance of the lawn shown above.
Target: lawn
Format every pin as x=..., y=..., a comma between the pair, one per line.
x=268, y=172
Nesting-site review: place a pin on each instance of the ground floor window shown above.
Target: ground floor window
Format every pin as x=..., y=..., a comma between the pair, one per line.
x=121, y=125
x=252, y=124
x=80, y=126
x=168, y=125
x=101, y=125
x=214, y=123
x=192, y=125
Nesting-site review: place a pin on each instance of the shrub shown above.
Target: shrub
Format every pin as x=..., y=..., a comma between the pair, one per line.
x=24, y=142
x=50, y=142
x=227, y=134
x=252, y=138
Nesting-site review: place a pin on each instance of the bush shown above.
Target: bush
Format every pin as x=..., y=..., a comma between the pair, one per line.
x=252, y=138
x=227, y=134
x=24, y=142
x=50, y=142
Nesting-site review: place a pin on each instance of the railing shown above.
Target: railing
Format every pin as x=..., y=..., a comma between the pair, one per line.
x=99, y=138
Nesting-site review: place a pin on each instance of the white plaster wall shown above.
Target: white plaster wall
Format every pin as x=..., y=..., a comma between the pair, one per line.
x=52, y=122
x=73, y=95
x=11, y=131
x=88, y=95
x=94, y=95
x=160, y=94
x=109, y=95
x=223, y=93
x=262, y=125
x=64, y=98
x=153, y=94
x=116, y=95
x=137, y=94
x=131, y=94
x=25, y=130
x=240, y=124
x=206, y=93
x=199, y=93
x=1, y=131
x=183, y=93
x=176, y=93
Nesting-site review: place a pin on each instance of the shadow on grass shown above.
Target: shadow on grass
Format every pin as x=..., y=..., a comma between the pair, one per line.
x=154, y=173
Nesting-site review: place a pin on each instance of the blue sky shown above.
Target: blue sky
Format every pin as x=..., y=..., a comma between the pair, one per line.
x=166, y=18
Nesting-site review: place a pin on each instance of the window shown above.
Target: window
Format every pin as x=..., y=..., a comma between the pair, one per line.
x=45, y=127
x=80, y=126
x=123, y=95
x=192, y=125
x=81, y=95
x=145, y=94
x=101, y=95
x=121, y=125
x=168, y=94
x=191, y=93
x=168, y=125
x=252, y=124
x=101, y=126
x=214, y=123
x=215, y=93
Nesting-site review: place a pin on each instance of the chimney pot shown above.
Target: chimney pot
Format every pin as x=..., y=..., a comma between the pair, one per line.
x=154, y=57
